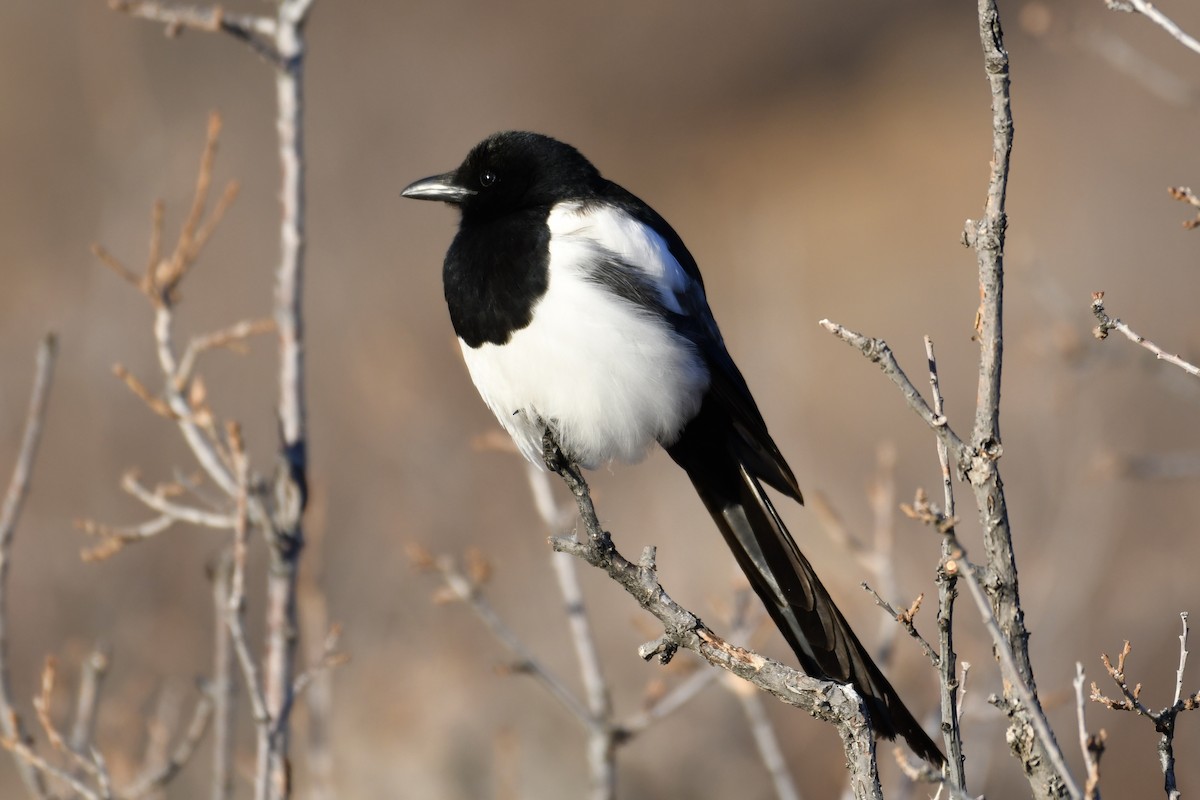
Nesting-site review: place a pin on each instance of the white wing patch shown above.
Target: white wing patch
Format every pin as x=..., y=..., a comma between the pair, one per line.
x=606, y=229
x=610, y=378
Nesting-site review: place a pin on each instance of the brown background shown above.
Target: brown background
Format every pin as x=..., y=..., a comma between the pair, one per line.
x=819, y=159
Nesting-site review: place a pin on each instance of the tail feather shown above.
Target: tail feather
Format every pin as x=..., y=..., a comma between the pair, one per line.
x=794, y=597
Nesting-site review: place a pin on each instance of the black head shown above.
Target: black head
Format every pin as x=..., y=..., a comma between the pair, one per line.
x=511, y=171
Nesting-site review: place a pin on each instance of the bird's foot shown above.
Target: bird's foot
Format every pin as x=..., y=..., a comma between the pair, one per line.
x=552, y=454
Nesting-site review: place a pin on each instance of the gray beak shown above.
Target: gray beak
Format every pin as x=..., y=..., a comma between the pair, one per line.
x=439, y=187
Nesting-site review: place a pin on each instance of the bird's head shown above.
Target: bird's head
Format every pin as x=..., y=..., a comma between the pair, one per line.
x=511, y=171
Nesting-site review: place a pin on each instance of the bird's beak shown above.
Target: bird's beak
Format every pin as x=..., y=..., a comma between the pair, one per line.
x=439, y=187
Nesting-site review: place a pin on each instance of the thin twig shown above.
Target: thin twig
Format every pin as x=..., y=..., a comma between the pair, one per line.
x=84, y=761
x=329, y=659
x=24, y=754
x=10, y=513
x=223, y=689
x=203, y=448
x=906, y=620
x=236, y=610
x=672, y=700
x=114, y=538
x=230, y=338
x=160, y=726
x=1108, y=324
x=1183, y=655
x=1092, y=746
x=1160, y=19
x=255, y=31
x=947, y=584
x=181, y=513
x=465, y=589
x=87, y=700
x=879, y=353
x=157, y=778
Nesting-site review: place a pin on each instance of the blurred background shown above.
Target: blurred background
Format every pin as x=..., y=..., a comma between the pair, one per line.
x=818, y=158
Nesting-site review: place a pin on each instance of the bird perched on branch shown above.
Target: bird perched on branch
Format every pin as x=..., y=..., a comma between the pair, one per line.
x=580, y=312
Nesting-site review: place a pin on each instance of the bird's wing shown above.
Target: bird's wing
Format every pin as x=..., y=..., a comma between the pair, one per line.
x=694, y=320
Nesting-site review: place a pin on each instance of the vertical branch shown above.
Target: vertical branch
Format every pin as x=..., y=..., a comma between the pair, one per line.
x=988, y=237
x=990, y=231
x=602, y=733
x=1091, y=746
x=947, y=583
x=286, y=535
x=1000, y=578
x=223, y=688
x=602, y=738
x=87, y=700
x=289, y=296
x=1165, y=723
x=14, y=499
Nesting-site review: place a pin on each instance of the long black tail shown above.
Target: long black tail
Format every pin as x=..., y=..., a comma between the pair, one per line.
x=726, y=475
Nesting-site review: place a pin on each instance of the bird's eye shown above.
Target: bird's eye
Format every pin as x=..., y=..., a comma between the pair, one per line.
x=487, y=178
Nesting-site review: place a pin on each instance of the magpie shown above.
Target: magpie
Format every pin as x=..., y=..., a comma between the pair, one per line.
x=582, y=315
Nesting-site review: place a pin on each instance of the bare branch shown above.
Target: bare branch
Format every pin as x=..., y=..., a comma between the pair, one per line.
x=947, y=584
x=86, y=762
x=672, y=700
x=905, y=618
x=1164, y=720
x=831, y=702
x=958, y=564
x=1013, y=677
x=978, y=461
x=602, y=737
x=223, y=690
x=1160, y=19
x=464, y=589
x=120, y=270
x=879, y=353
x=1092, y=746
x=10, y=513
x=1108, y=324
x=160, y=285
x=230, y=338
x=255, y=31
x=24, y=754
x=1183, y=654
x=159, y=777
x=114, y=538
x=159, y=503
x=236, y=608
x=87, y=700
x=286, y=535
x=154, y=403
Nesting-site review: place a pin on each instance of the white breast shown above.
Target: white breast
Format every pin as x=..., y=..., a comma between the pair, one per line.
x=610, y=378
